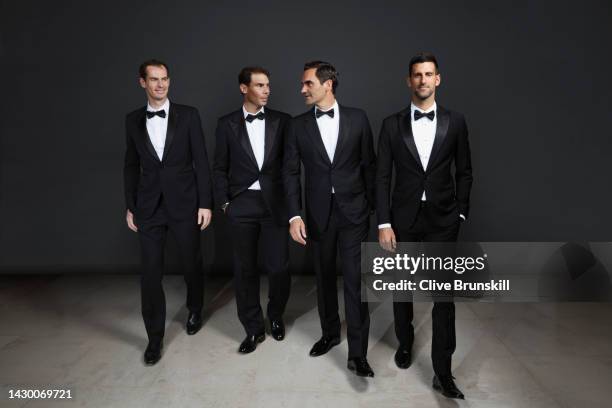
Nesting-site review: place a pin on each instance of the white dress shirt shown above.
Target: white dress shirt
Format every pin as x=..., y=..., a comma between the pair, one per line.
x=257, y=136
x=424, y=134
x=329, y=128
x=157, y=128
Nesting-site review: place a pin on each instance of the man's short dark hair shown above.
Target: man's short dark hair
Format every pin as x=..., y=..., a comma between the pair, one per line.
x=423, y=57
x=142, y=71
x=324, y=71
x=244, y=77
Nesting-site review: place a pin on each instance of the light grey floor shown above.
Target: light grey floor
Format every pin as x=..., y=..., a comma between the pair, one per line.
x=85, y=333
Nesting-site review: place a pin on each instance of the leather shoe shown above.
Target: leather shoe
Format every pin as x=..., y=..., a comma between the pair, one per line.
x=153, y=352
x=194, y=323
x=324, y=345
x=277, y=329
x=447, y=387
x=360, y=366
x=403, y=357
x=250, y=343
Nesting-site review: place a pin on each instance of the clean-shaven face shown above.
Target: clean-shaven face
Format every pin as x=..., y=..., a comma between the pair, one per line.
x=157, y=83
x=313, y=90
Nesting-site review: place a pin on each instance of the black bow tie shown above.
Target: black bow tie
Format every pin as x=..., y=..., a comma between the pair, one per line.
x=250, y=118
x=160, y=113
x=319, y=113
x=429, y=115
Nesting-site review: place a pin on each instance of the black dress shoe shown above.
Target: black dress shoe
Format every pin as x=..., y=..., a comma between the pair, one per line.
x=324, y=345
x=447, y=387
x=277, y=329
x=360, y=366
x=250, y=343
x=153, y=352
x=194, y=323
x=403, y=357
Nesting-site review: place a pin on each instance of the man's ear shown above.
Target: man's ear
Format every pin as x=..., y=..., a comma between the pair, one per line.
x=243, y=89
x=143, y=83
x=329, y=84
x=438, y=79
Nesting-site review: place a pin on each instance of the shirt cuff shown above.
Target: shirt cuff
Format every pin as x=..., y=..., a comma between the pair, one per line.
x=381, y=226
x=462, y=216
x=294, y=218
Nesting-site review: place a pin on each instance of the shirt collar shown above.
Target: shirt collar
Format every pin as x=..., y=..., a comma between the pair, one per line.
x=165, y=107
x=413, y=107
x=334, y=106
x=245, y=113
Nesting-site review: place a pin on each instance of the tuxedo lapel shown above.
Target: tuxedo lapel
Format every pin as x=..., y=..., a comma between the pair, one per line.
x=343, y=133
x=441, y=132
x=405, y=126
x=171, y=130
x=239, y=128
x=272, y=123
x=144, y=134
x=313, y=130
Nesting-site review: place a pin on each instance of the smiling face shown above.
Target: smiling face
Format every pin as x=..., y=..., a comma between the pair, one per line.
x=257, y=92
x=313, y=91
x=156, y=84
x=423, y=80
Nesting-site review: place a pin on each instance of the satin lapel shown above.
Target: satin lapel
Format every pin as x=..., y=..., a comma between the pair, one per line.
x=441, y=132
x=405, y=126
x=343, y=133
x=239, y=128
x=272, y=123
x=144, y=134
x=172, y=121
x=311, y=127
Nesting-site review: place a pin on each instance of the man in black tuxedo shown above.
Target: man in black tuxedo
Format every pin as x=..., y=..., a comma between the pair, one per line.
x=249, y=190
x=422, y=142
x=167, y=187
x=334, y=143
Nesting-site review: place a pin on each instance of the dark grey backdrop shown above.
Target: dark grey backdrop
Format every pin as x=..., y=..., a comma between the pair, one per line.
x=532, y=79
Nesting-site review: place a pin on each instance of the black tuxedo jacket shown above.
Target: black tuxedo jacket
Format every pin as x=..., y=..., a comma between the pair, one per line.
x=236, y=169
x=182, y=176
x=352, y=173
x=448, y=197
